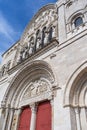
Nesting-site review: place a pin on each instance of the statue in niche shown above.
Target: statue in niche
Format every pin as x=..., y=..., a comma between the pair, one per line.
x=32, y=46
x=38, y=40
x=38, y=45
x=46, y=38
x=21, y=56
x=54, y=32
x=3, y=71
x=26, y=52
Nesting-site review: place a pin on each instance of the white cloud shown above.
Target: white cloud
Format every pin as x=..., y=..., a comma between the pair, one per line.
x=5, y=28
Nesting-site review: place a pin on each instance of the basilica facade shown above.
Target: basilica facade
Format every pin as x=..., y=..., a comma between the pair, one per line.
x=43, y=76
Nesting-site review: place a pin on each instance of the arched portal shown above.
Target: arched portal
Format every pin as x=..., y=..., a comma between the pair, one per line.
x=33, y=84
x=76, y=98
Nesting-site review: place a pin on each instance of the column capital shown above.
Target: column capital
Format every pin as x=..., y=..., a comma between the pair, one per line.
x=33, y=107
x=77, y=110
x=52, y=102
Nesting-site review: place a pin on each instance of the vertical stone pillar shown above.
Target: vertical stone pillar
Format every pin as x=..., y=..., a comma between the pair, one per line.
x=83, y=119
x=77, y=111
x=61, y=22
x=11, y=117
x=33, y=116
x=17, y=118
x=52, y=113
x=5, y=120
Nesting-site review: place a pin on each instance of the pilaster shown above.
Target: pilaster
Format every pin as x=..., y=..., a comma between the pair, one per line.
x=17, y=118
x=83, y=119
x=52, y=113
x=11, y=117
x=77, y=111
x=5, y=120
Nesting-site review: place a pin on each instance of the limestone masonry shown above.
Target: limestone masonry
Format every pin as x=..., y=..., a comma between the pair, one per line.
x=43, y=76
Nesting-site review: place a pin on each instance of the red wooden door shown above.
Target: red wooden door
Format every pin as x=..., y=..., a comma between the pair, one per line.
x=43, y=120
x=25, y=117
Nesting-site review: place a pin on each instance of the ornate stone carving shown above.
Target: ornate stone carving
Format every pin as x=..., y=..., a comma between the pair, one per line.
x=38, y=46
x=46, y=39
x=46, y=17
x=39, y=38
x=31, y=47
x=54, y=32
x=36, y=88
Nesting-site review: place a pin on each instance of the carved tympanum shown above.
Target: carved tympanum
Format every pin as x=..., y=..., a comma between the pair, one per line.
x=36, y=88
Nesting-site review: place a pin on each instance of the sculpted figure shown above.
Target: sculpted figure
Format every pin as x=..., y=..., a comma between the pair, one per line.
x=26, y=52
x=3, y=71
x=7, y=66
x=31, y=47
x=54, y=32
x=23, y=55
x=38, y=44
x=46, y=38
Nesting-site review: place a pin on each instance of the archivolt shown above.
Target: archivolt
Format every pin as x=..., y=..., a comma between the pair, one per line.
x=76, y=87
x=26, y=74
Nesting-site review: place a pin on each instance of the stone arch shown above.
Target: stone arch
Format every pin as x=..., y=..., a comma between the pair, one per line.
x=75, y=15
x=76, y=87
x=26, y=74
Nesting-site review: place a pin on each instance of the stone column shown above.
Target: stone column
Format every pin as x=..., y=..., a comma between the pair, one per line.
x=33, y=116
x=52, y=114
x=83, y=119
x=17, y=118
x=5, y=120
x=77, y=111
x=11, y=117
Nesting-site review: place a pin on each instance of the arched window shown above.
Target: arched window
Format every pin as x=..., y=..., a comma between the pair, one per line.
x=78, y=21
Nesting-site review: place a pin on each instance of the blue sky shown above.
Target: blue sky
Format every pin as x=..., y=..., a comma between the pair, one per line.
x=14, y=17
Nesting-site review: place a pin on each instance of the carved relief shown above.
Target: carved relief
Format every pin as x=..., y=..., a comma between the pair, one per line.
x=36, y=88
x=4, y=69
x=46, y=17
x=38, y=35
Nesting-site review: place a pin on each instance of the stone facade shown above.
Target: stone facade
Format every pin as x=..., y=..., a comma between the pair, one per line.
x=49, y=62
